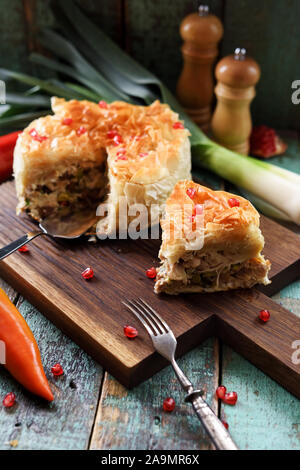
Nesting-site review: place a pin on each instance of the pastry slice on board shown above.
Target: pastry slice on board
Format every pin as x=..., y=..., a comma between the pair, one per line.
x=211, y=242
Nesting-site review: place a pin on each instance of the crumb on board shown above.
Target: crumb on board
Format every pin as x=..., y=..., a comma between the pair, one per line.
x=14, y=443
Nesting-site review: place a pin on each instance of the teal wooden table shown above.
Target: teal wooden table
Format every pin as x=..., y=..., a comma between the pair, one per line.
x=91, y=409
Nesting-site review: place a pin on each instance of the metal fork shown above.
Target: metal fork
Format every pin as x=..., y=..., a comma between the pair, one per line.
x=165, y=343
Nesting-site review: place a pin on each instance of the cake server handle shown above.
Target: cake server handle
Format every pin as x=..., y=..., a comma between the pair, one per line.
x=13, y=246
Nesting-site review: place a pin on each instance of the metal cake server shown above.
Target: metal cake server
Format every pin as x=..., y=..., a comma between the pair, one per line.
x=67, y=228
x=165, y=343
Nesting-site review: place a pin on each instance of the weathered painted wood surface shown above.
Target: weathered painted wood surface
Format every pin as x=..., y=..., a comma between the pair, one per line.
x=67, y=422
x=100, y=413
x=135, y=419
x=266, y=416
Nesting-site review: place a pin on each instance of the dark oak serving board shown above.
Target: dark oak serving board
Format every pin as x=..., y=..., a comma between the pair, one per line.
x=91, y=313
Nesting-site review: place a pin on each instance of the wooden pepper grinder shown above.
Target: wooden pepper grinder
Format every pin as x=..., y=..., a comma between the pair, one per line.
x=237, y=76
x=201, y=33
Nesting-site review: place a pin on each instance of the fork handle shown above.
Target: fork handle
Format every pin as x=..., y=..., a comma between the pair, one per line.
x=211, y=423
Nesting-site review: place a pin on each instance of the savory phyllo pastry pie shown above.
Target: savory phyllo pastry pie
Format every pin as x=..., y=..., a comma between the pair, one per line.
x=86, y=153
x=225, y=252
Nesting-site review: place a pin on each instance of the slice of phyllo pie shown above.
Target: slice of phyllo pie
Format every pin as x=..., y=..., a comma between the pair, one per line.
x=211, y=242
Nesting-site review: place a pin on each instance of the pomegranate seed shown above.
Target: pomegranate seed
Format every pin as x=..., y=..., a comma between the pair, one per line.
x=230, y=398
x=121, y=154
x=9, y=400
x=135, y=137
x=264, y=315
x=23, y=249
x=151, y=273
x=81, y=130
x=220, y=392
x=88, y=273
x=197, y=210
x=117, y=140
x=36, y=136
x=178, y=125
x=67, y=121
x=169, y=404
x=263, y=141
x=103, y=104
x=57, y=370
x=226, y=425
x=191, y=192
x=144, y=154
x=111, y=134
x=234, y=202
x=130, y=331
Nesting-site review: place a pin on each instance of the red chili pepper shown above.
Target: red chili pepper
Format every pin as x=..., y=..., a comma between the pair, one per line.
x=23, y=359
x=7, y=146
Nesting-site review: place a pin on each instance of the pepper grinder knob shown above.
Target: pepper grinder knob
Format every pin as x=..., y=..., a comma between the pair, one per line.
x=236, y=76
x=203, y=10
x=201, y=32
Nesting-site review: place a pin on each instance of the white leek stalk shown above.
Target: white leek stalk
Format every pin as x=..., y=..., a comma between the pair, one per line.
x=276, y=186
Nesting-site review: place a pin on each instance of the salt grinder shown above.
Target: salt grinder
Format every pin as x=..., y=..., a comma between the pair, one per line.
x=201, y=33
x=237, y=76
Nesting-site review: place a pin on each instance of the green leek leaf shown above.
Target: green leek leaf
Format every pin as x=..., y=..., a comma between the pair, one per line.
x=32, y=81
x=27, y=101
x=65, y=69
x=87, y=94
x=21, y=120
x=97, y=40
x=98, y=60
x=65, y=50
x=64, y=86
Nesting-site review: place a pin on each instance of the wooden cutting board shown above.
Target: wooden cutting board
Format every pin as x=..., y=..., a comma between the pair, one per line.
x=91, y=313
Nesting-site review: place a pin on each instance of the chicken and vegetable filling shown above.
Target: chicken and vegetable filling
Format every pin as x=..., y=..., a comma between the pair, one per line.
x=75, y=189
x=181, y=277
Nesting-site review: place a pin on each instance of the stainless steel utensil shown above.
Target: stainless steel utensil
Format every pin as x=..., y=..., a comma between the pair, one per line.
x=165, y=343
x=68, y=228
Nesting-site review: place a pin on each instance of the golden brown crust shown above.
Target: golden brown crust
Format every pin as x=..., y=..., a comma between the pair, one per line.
x=146, y=154
x=221, y=223
x=215, y=204
x=148, y=143
x=226, y=250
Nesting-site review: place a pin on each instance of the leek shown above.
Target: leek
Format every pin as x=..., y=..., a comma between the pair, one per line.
x=274, y=185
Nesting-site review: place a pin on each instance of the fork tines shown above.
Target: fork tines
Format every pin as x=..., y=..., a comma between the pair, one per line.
x=151, y=320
